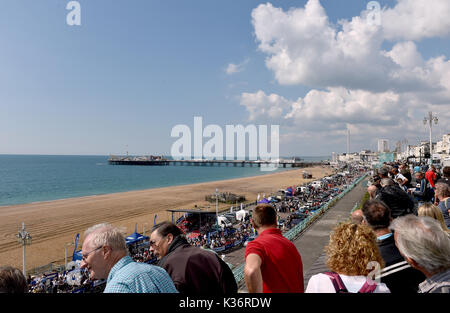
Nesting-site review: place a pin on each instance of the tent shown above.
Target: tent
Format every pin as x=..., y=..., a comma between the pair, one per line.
x=264, y=201
x=135, y=237
x=241, y=214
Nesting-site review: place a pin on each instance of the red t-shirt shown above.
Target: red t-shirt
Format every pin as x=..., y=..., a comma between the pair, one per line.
x=281, y=264
x=431, y=177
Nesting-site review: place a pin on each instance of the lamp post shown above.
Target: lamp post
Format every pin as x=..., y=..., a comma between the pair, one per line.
x=429, y=119
x=143, y=228
x=24, y=238
x=217, y=208
x=68, y=244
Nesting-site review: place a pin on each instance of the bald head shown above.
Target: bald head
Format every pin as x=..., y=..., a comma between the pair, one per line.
x=357, y=217
x=372, y=190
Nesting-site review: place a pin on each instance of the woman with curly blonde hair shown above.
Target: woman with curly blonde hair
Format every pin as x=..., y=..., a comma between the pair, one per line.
x=352, y=257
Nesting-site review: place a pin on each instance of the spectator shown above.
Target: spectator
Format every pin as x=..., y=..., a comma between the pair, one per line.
x=104, y=254
x=445, y=175
x=349, y=252
x=272, y=262
x=372, y=190
x=192, y=269
x=398, y=177
x=422, y=192
x=12, y=280
x=425, y=247
x=430, y=176
x=397, y=275
x=417, y=168
x=404, y=170
x=428, y=209
x=395, y=198
x=443, y=194
x=357, y=216
x=383, y=172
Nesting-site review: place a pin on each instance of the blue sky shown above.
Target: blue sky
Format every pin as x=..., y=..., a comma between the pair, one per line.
x=135, y=69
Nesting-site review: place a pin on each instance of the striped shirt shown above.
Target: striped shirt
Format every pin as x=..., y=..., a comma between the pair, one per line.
x=128, y=276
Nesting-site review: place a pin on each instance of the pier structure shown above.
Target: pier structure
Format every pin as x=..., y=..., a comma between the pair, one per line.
x=204, y=162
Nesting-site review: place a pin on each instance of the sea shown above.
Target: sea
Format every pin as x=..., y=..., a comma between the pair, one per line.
x=34, y=178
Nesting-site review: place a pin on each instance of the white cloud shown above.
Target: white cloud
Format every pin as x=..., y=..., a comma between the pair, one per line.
x=354, y=81
x=416, y=19
x=304, y=48
x=322, y=117
x=261, y=106
x=236, y=68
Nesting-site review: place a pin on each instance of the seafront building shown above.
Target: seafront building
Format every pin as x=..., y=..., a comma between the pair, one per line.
x=421, y=151
x=383, y=145
x=365, y=156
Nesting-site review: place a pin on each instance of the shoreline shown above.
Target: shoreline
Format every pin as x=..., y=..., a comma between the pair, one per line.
x=135, y=190
x=54, y=223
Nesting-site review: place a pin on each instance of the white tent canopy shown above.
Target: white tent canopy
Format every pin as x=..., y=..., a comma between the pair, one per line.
x=241, y=214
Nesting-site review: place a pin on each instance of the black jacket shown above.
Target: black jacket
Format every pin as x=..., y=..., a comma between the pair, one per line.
x=398, y=201
x=197, y=271
x=397, y=274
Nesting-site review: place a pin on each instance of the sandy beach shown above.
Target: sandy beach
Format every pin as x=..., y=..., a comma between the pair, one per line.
x=52, y=224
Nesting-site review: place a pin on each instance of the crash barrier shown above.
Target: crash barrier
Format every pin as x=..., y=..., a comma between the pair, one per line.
x=292, y=233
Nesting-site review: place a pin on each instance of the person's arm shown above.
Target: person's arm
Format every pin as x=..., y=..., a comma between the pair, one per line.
x=252, y=273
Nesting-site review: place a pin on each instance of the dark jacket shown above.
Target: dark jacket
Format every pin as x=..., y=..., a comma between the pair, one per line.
x=197, y=271
x=423, y=192
x=398, y=201
x=397, y=274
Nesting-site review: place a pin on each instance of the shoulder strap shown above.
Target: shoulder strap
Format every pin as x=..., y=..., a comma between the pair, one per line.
x=337, y=282
x=368, y=287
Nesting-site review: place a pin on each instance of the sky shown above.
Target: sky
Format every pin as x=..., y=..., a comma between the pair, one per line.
x=133, y=70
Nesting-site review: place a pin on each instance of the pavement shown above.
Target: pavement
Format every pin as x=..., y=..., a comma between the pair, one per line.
x=311, y=242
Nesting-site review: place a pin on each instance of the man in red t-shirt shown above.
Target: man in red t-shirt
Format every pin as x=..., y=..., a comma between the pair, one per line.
x=430, y=175
x=272, y=262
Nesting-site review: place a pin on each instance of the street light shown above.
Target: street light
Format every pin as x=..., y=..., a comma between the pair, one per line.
x=143, y=228
x=68, y=244
x=430, y=120
x=24, y=238
x=217, y=208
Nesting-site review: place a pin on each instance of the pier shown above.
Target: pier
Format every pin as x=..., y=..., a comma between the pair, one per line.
x=144, y=161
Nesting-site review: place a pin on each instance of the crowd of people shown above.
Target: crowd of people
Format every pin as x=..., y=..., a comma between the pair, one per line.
x=400, y=244
x=305, y=200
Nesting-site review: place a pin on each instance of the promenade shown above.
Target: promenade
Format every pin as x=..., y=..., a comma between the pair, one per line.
x=312, y=241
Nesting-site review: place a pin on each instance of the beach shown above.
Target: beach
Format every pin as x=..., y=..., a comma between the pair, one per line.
x=53, y=224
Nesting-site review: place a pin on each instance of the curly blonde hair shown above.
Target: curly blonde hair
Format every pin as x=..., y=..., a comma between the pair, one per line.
x=351, y=248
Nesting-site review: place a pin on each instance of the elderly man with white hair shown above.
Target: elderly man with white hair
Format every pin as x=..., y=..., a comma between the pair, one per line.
x=426, y=247
x=105, y=256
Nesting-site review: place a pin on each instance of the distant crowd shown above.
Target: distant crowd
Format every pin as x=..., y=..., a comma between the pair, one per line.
x=397, y=243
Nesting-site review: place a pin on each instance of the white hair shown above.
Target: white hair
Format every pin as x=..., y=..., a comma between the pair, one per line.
x=386, y=182
x=107, y=235
x=423, y=240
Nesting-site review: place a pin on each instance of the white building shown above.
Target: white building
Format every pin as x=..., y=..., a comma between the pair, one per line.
x=383, y=145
